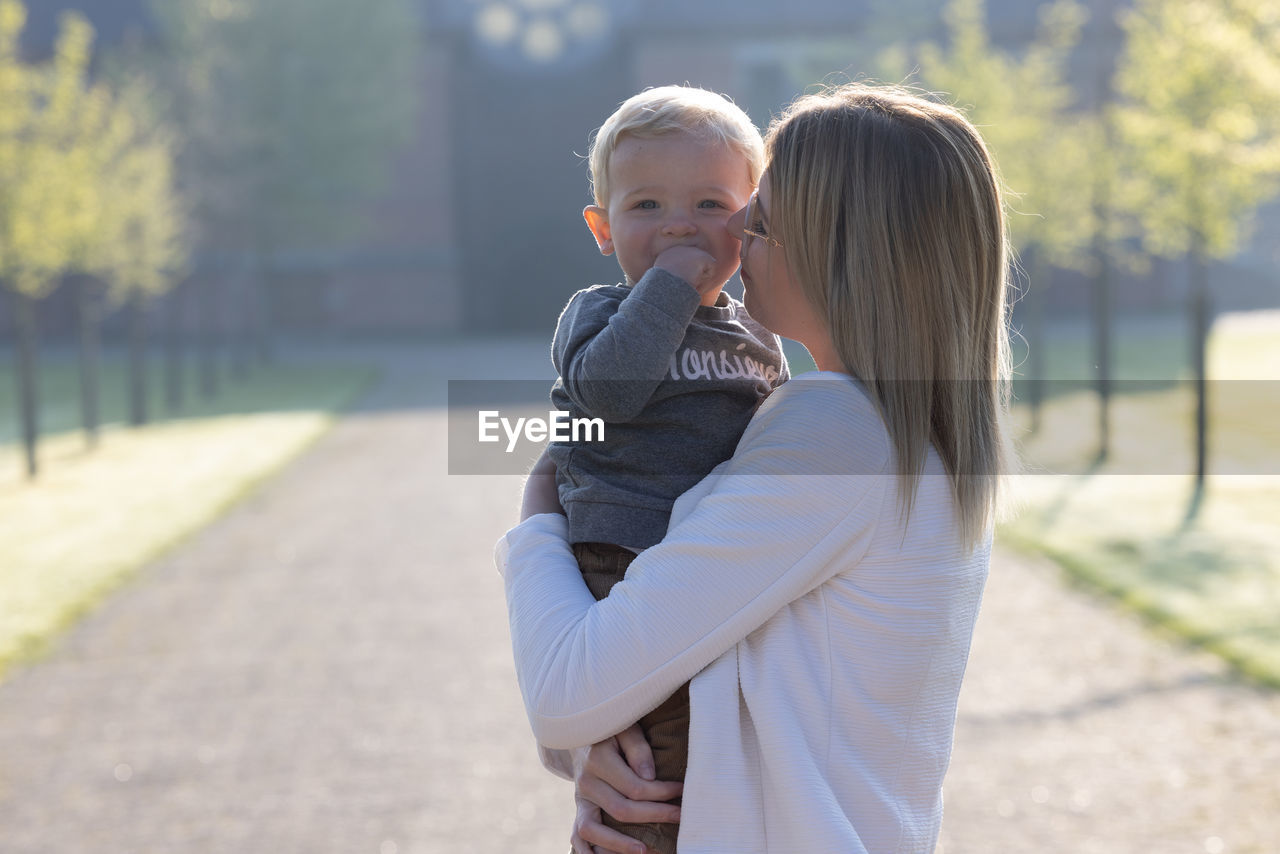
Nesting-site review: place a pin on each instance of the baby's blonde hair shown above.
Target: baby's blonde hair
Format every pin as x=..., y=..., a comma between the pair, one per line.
x=674, y=109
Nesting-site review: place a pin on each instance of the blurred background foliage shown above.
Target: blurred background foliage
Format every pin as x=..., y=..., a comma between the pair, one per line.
x=243, y=129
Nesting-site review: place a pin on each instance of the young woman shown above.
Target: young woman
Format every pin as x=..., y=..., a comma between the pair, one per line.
x=820, y=587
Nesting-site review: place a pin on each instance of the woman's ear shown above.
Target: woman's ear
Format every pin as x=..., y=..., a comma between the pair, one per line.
x=598, y=221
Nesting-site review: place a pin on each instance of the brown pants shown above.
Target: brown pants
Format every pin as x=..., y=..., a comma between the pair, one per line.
x=666, y=727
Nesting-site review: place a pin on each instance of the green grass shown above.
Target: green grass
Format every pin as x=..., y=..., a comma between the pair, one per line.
x=94, y=517
x=1122, y=526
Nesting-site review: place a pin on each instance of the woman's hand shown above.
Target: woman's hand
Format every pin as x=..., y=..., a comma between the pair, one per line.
x=616, y=775
x=540, y=493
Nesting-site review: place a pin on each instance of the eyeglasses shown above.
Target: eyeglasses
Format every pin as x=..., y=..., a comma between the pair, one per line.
x=751, y=230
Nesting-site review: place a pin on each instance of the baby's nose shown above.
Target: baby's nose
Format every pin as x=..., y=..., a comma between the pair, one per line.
x=679, y=223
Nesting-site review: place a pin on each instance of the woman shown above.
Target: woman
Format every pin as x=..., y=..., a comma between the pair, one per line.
x=820, y=587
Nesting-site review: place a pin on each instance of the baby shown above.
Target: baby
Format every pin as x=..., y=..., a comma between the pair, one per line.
x=672, y=365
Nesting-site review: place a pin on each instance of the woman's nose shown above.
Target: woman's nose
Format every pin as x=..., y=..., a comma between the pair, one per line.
x=736, y=223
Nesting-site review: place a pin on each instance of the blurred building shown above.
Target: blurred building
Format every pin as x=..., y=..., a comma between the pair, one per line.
x=482, y=230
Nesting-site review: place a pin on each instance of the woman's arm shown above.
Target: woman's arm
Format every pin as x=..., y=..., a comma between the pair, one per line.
x=770, y=531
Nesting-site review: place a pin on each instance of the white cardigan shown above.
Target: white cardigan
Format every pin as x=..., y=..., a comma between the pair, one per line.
x=825, y=638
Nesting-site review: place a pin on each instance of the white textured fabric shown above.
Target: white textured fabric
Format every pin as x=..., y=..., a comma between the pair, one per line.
x=826, y=638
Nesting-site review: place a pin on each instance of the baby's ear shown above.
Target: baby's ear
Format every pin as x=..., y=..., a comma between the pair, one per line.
x=598, y=221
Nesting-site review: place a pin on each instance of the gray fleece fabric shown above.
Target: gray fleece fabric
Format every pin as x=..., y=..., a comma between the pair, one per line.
x=675, y=383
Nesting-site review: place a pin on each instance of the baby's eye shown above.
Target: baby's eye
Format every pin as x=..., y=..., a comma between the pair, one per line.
x=647, y=205
x=709, y=203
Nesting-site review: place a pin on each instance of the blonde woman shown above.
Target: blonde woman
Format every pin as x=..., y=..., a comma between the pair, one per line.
x=820, y=587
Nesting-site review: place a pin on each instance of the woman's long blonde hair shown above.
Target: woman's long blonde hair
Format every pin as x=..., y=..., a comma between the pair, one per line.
x=889, y=209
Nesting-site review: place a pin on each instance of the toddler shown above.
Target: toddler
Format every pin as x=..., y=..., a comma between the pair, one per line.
x=672, y=365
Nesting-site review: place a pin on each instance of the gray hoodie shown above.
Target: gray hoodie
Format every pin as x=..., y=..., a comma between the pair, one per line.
x=675, y=383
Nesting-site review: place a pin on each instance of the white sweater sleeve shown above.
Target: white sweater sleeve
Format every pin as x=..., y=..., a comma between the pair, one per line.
x=558, y=762
x=772, y=528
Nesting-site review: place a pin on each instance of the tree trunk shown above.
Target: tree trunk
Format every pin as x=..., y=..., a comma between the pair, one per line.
x=1200, y=316
x=24, y=339
x=90, y=356
x=1102, y=348
x=260, y=288
x=207, y=295
x=1102, y=262
x=173, y=367
x=137, y=360
x=242, y=337
x=1037, y=340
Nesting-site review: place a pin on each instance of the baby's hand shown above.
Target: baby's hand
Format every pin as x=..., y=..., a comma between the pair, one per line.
x=691, y=264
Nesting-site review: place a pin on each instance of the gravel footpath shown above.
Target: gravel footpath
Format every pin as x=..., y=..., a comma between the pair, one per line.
x=326, y=669
x=1082, y=732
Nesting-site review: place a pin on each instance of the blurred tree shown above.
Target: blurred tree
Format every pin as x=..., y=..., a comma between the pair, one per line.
x=198, y=69
x=85, y=193
x=191, y=64
x=1043, y=151
x=15, y=146
x=1099, y=128
x=77, y=120
x=146, y=248
x=45, y=191
x=144, y=127
x=293, y=109
x=1199, y=84
x=880, y=50
x=1113, y=237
